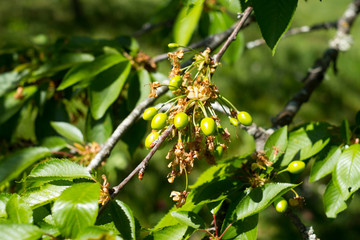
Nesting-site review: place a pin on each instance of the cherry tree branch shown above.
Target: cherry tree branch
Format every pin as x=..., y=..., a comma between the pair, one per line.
x=233, y=35
x=140, y=168
x=295, y=31
x=306, y=233
x=341, y=42
x=120, y=130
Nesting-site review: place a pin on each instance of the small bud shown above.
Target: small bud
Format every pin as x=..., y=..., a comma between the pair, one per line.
x=173, y=45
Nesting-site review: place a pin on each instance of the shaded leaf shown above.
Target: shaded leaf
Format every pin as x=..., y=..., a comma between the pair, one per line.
x=276, y=144
x=325, y=165
x=190, y=219
x=333, y=201
x=259, y=198
x=76, y=208
x=123, y=219
x=243, y=229
x=68, y=131
x=347, y=172
x=54, y=143
x=14, y=164
x=40, y=196
x=89, y=69
x=345, y=131
x=62, y=62
x=8, y=81
x=19, y=231
x=274, y=18
x=18, y=211
x=97, y=232
x=98, y=130
x=186, y=21
x=9, y=105
x=58, y=169
x=106, y=87
x=305, y=142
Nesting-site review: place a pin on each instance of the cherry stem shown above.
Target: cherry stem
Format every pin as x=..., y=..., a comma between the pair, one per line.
x=296, y=195
x=140, y=167
x=215, y=226
x=227, y=102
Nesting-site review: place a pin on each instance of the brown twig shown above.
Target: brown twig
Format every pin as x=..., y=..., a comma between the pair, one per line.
x=233, y=35
x=140, y=167
x=315, y=76
x=306, y=233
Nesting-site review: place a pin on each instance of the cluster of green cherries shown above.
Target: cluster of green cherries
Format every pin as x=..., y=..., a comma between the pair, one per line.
x=181, y=120
x=294, y=167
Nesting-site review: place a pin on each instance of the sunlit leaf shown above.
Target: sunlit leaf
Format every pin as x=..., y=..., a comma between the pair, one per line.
x=76, y=208
x=276, y=144
x=18, y=211
x=68, y=131
x=58, y=169
x=19, y=231
x=347, y=172
x=325, y=165
x=186, y=21
x=333, y=201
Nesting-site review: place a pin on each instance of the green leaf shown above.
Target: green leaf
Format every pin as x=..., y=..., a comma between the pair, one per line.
x=274, y=18
x=305, y=142
x=58, y=169
x=9, y=105
x=4, y=198
x=347, y=172
x=97, y=232
x=345, y=131
x=90, y=69
x=333, y=201
x=19, y=231
x=243, y=229
x=215, y=190
x=190, y=219
x=259, y=199
x=176, y=232
x=8, y=81
x=54, y=143
x=62, y=62
x=325, y=165
x=276, y=144
x=186, y=21
x=13, y=165
x=76, y=208
x=18, y=211
x=40, y=196
x=215, y=206
x=106, y=87
x=231, y=5
x=68, y=131
x=98, y=130
x=123, y=219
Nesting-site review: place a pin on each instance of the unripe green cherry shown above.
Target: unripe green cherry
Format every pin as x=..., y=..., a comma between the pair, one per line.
x=181, y=120
x=244, y=118
x=151, y=138
x=149, y=113
x=296, y=167
x=159, y=121
x=219, y=151
x=208, y=126
x=234, y=122
x=280, y=205
x=175, y=83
